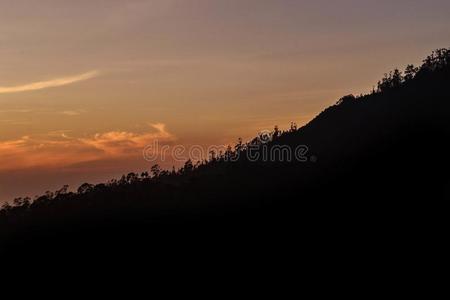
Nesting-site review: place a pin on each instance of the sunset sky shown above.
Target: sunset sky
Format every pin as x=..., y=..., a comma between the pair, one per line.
x=86, y=85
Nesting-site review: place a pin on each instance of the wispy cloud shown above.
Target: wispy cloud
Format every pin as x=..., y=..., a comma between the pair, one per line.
x=59, y=149
x=18, y=111
x=71, y=112
x=49, y=83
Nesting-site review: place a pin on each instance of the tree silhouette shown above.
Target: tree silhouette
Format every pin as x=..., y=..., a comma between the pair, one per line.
x=155, y=170
x=346, y=100
x=410, y=72
x=188, y=166
x=85, y=188
x=360, y=161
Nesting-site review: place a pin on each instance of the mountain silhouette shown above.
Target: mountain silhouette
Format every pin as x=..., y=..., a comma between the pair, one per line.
x=368, y=162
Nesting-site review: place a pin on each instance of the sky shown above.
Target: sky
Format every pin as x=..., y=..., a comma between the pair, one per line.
x=86, y=86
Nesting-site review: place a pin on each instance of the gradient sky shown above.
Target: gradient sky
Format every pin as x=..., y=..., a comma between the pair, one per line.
x=85, y=85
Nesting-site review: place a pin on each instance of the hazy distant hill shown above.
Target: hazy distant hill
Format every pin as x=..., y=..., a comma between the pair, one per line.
x=368, y=158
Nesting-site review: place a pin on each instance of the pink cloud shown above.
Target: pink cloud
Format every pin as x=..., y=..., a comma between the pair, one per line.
x=57, y=149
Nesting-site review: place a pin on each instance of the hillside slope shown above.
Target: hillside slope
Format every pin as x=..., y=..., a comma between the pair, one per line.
x=374, y=156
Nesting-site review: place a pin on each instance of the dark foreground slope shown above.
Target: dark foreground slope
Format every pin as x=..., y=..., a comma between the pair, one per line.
x=371, y=161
